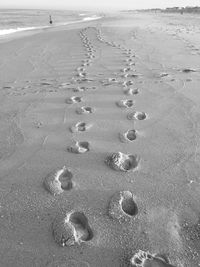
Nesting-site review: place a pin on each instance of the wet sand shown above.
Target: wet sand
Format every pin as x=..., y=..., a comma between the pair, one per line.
x=99, y=144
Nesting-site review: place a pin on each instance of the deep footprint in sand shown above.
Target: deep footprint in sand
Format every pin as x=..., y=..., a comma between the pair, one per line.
x=123, y=162
x=64, y=85
x=122, y=206
x=128, y=83
x=72, y=228
x=187, y=70
x=58, y=181
x=79, y=89
x=137, y=116
x=126, y=69
x=82, y=74
x=45, y=83
x=127, y=103
x=131, y=91
x=84, y=110
x=73, y=99
x=112, y=80
x=163, y=75
x=128, y=136
x=79, y=147
x=130, y=64
x=145, y=259
x=80, y=127
x=133, y=75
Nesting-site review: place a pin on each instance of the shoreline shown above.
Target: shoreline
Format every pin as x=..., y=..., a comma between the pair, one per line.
x=25, y=33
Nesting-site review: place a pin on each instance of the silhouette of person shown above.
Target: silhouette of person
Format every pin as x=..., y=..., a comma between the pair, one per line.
x=50, y=20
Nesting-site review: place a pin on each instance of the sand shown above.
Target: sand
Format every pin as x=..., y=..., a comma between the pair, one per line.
x=72, y=98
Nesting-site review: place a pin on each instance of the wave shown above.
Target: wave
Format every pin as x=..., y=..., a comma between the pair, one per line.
x=20, y=29
x=91, y=18
x=14, y=30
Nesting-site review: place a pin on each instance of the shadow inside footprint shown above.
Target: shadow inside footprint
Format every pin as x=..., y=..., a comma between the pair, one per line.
x=140, y=115
x=59, y=181
x=163, y=75
x=73, y=99
x=131, y=91
x=79, y=147
x=131, y=135
x=78, y=89
x=71, y=228
x=66, y=180
x=122, y=206
x=80, y=127
x=122, y=162
x=127, y=83
x=128, y=205
x=88, y=109
x=45, y=83
x=83, y=231
x=137, y=115
x=112, y=80
x=83, y=110
x=187, y=70
x=125, y=103
x=84, y=146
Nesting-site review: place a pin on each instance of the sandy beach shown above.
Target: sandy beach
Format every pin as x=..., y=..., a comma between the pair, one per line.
x=99, y=144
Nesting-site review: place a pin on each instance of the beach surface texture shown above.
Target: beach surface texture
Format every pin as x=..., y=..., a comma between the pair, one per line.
x=99, y=143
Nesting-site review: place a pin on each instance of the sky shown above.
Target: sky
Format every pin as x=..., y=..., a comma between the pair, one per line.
x=96, y=4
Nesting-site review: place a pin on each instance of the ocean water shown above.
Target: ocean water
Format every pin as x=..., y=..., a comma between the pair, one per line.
x=15, y=20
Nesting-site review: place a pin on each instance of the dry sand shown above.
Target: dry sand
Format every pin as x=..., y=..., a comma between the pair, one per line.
x=71, y=99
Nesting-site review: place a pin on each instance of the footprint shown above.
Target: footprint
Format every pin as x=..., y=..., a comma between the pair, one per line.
x=79, y=147
x=84, y=110
x=59, y=181
x=92, y=56
x=122, y=206
x=79, y=89
x=128, y=83
x=123, y=162
x=45, y=83
x=127, y=103
x=129, y=60
x=133, y=75
x=188, y=70
x=131, y=91
x=137, y=116
x=126, y=69
x=73, y=99
x=72, y=228
x=80, y=127
x=38, y=124
x=80, y=69
x=145, y=259
x=82, y=74
x=163, y=75
x=130, y=135
x=64, y=85
x=131, y=64
x=112, y=80
x=125, y=75
x=92, y=88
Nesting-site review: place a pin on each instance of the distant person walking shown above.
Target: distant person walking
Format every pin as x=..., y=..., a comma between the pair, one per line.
x=50, y=20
